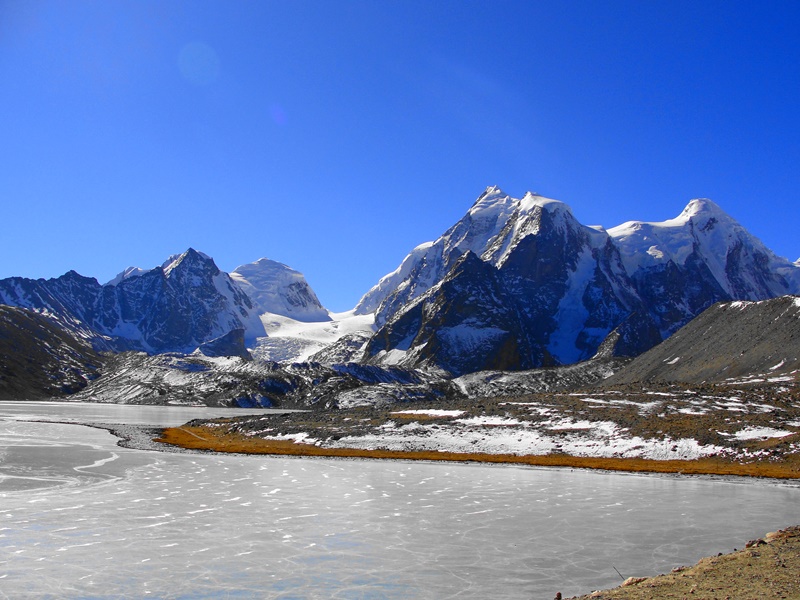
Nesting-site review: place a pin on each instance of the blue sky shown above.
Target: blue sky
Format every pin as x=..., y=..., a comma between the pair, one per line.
x=334, y=136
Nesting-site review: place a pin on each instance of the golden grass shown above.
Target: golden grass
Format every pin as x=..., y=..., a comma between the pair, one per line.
x=219, y=440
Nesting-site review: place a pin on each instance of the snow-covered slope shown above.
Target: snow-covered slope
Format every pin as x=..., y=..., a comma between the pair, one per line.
x=292, y=341
x=127, y=273
x=280, y=290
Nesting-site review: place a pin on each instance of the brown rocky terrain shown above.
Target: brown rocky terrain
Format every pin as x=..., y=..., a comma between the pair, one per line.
x=765, y=568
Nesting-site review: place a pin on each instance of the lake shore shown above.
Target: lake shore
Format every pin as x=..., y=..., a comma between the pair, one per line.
x=719, y=430
x=221, y=439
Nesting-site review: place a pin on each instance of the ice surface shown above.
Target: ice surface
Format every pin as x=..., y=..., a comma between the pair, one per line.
x=206, y=526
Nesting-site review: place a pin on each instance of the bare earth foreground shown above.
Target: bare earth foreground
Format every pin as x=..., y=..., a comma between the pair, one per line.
x=744, y=429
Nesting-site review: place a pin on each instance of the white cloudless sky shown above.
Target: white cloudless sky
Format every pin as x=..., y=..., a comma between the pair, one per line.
x=336, y=136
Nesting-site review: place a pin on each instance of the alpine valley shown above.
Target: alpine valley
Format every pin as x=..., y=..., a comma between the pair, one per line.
x=516, y=297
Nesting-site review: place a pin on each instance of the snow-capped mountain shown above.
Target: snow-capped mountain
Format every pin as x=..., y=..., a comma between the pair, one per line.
x=539, y=285
x=176, y=307
x=683, y=265
x=277, y=289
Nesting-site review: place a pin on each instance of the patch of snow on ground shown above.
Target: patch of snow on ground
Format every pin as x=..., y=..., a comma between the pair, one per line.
x=740, y=304
x=760, y=433
x=490, y=420
x=431, y=412
x=569, y=424
x=778, y=366
x=603, y=442
x=691, y=411
x=732, y=405
x=673, y=361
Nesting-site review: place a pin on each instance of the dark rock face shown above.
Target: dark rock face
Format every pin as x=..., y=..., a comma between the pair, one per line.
x=467, y=323
x=230, y=344
x=636, y=334
x=729, y=340
x=172, y=308
x=40, y=359
x=675, y=294
x=347, y=349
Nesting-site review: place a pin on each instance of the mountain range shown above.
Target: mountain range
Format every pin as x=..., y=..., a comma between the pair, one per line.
x=520, y=283
x=515, y=284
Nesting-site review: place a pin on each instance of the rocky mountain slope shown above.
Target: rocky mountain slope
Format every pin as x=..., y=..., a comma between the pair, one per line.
x=729, y=342
x=40, y=359
x=520, y=283
x=197, y=379
x=175, y=307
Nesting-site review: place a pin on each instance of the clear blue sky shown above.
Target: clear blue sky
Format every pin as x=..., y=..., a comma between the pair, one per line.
x=334, y=136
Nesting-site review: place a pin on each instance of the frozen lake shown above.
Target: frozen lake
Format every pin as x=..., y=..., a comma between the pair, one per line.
x=83, y=518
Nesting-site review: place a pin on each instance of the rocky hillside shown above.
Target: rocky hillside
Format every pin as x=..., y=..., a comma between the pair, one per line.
x=40, y=359
x=730, y=341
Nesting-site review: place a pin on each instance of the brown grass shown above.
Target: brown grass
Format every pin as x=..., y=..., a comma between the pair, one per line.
x=218, y=440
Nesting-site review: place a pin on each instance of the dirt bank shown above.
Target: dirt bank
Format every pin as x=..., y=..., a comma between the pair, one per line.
x=768, y=568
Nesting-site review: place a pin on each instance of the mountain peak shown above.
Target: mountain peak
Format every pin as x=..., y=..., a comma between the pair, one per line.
x=532, y=200
x=702, y=207
x=491, y=202
x=190, y=257
x=126, y=274
x=278, y=289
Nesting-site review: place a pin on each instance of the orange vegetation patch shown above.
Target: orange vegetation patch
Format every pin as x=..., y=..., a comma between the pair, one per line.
x=218, y=440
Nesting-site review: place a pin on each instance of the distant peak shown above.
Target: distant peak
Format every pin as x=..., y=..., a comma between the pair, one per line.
x=702, y=206
x=493, y=190
x=532, y=199
x=264, y=262
x=263, y=265
x=490, y=201
x=191, y=256
x=127, y=274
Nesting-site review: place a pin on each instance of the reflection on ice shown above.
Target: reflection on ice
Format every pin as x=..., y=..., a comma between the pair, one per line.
x=133, y=524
